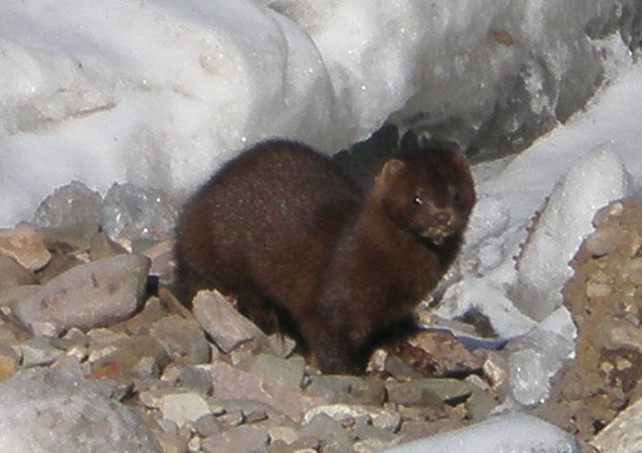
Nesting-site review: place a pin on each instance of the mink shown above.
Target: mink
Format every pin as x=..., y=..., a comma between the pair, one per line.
x=301, y=247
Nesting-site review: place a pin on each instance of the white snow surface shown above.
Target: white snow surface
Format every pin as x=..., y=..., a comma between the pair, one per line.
x=162, y=92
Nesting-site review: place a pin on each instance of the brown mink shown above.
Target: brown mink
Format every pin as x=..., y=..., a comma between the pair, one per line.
x=282, y=228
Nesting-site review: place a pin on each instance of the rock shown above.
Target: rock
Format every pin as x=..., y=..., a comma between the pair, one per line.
x=440, y=353
x=34, y=401
x=347, y=414
x=100, y=246
x=39, y=351
x=207, y=425
x=86, y=296
x=9, y=360
x=13, y=274
x=122, y=362
x=10, y=297
x=231, y=383
x=622, y=435
x=24, y=245
x=422, y=392
x=227, y=327
x=183, y=407
x=329, y=431
x=281, y=372
x=71, y=237
x=198, y=378
x=236, y=440
x=182, y=339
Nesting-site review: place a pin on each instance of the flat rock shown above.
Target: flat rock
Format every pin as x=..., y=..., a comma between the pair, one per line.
x=622, y=435
x=26, y=246
x=236, y=440
x=282, y=372
x=227, y=327
x=39, y=351
x=422, y=392
x=95, y=294
x=183, y=407
x=33, y=401
x=231, y=383
x=182, y=338
x=347, y=413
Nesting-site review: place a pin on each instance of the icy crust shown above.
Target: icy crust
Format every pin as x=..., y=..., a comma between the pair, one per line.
x=514, y=433
x=160, y=93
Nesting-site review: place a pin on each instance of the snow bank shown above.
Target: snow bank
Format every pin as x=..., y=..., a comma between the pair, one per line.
x=161, y=92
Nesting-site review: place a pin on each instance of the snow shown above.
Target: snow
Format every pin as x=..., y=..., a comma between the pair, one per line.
x=160, y=93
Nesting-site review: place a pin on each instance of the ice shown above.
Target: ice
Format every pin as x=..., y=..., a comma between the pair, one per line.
x=600, y=177
x=512, y=433
x=69, y=205
x=137, y=212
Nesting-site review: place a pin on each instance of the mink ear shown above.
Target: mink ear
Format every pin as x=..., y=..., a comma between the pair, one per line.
x=389, y=171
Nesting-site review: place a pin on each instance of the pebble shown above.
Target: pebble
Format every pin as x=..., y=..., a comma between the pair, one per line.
x=378, y=417
x=13, y=274
x=183, y=407
x=113, y=285
x=24, y=245
x=622, y=434
x=39, y=351
x=227, y=327
x=239, y=439
x=422, y=392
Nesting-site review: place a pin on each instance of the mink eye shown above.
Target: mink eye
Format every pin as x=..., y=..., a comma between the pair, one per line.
x=417, y=200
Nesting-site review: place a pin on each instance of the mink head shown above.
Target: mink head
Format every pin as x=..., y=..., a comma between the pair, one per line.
x=430, y=194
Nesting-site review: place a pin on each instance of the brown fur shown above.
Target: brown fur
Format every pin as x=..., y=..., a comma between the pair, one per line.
x=282, y=228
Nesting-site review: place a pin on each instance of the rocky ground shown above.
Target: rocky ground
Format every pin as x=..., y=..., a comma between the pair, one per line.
x=78, y=310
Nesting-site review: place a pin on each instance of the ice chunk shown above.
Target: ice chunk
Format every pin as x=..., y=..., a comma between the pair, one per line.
x=597, y=179
x=512, y=433
x=69, y=205
x=138, y=212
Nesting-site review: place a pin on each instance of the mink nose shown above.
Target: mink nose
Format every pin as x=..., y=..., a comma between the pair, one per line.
x=442, y=218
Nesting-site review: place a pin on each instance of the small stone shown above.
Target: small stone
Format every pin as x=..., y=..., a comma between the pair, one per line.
x=207, y=425
x=13, y=274
x=100, y=246
x=421, y=392
x=343, y=413
x=284, y=434
x=239, y=439
x=227, y=327
x=39, y=351
x=9, y=361
x=182, y=339
x=597, y=290
x=24, y=245
x=182, y=408
x=632, y=271
x=231, y=383
x=231, y=418
x=332, y=435
x=439, y=352
x=496, y=370
x=622, y=434
x=602, y=242
x=98, y=293
x=282, y=372
x=333, y=388
x=146, y=368
x=196, y=378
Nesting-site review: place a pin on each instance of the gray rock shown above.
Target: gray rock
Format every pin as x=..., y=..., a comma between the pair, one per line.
x=231, y=383
x=39, y=351
x=283, y=372
x=329, y=432
x=183, y=407
x=182, y=338
x=87, y=296
x=349, y=414
x=207, y=425
x=236, y=440
x=622, y=435
x=13, y=274
x=197, y=378
x=34, y=401
x=422, y=392
x=227, y=327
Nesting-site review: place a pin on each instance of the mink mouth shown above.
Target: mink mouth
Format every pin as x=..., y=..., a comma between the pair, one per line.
x=436, y=236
